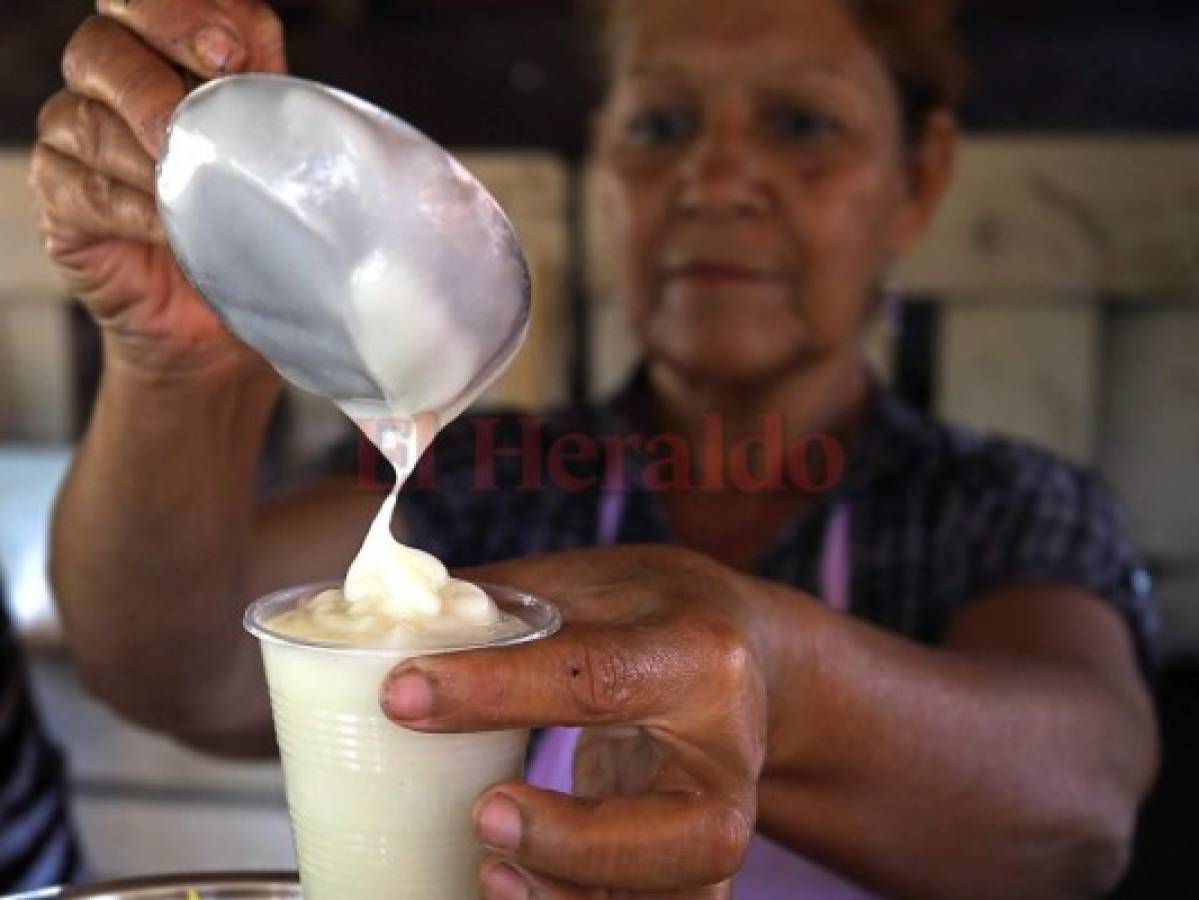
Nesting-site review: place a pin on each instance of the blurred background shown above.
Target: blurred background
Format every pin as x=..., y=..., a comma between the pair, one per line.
x=1057, y=300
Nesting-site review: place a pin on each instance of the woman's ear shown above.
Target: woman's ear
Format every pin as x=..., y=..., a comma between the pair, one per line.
x=930, y=167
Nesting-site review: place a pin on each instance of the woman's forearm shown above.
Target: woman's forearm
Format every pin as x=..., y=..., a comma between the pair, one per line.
x=941, y=773
x=150, y=547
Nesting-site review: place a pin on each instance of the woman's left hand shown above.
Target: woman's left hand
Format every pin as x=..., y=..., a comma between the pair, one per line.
x=659, y=658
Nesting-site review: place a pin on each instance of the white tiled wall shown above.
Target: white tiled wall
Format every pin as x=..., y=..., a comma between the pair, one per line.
x=146, y=805
x=1149, y=446
x=1028, y=371
x=35, y=375
x=1156, y=352
x=35, y=398
x=26, y=271
x=1069, y=217
x=534, y=190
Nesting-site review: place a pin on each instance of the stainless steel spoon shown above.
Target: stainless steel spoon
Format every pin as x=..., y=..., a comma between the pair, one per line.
x=361, y=259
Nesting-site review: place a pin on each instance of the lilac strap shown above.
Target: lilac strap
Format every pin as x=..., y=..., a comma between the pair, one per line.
x=835, y=572
x=835, y=560
x=552, y=765
x=770, y=871
x=610, y=515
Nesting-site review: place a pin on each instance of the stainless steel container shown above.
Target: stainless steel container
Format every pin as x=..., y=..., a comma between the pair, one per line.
x=205, y=886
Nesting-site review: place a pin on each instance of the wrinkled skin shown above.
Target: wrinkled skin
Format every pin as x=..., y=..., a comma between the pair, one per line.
x=93, y=171
x=759, y=183
x=659, y=661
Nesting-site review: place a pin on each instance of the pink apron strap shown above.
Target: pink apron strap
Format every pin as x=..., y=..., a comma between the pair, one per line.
x=835, y=556
x=609, y=516
x=835, y=563
x=552, y=764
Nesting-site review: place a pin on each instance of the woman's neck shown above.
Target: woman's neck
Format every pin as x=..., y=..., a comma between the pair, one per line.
x=828, y=398
x=744, y=483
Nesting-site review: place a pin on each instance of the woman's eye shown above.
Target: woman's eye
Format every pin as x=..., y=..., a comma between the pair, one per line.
x=662, y=126
x=799, y=124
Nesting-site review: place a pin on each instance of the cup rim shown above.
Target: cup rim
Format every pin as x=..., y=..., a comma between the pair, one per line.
x=508, y=598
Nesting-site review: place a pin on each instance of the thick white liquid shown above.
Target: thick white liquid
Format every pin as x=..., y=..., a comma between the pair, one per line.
x=378, y=812
x=414, y=298
x=373, y=232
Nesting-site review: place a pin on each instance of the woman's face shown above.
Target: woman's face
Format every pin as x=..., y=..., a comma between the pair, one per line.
x=756, y=173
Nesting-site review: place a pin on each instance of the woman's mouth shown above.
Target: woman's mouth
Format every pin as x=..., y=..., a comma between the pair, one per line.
x=720, y=272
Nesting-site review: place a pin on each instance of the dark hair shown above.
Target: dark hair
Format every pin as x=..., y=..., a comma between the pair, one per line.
x=917, y=40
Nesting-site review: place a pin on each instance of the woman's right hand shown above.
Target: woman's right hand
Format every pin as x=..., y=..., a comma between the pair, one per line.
x=126, y=70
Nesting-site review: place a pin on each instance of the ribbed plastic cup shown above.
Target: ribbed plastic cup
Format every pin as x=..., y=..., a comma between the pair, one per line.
x=379, y=812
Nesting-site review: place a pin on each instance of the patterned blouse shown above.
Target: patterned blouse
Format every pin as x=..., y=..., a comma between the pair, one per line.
x=936, y=515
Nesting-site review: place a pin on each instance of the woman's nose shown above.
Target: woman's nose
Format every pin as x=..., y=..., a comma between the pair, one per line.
x=722, y=176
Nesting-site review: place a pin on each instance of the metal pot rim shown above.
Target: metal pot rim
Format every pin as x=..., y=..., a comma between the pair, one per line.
x=146, y=886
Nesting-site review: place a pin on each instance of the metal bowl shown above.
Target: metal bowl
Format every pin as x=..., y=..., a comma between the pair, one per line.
x=206, y=886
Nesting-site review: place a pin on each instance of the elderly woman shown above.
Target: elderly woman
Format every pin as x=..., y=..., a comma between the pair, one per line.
x=923, y=680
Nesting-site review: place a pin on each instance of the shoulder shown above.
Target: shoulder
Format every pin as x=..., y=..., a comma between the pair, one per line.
x=977, y=471
x=996, y=511
x=1043, y=504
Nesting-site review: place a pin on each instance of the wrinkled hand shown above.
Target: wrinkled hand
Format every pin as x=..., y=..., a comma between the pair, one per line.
x=93, y=167
x=658, y=658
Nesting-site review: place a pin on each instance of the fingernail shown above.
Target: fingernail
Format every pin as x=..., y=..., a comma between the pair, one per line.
x=408, y=697
x=498, y=823
x=216, y=46
x=503, y=882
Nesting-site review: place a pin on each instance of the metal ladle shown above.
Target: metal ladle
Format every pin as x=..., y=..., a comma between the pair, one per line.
x=350, y=250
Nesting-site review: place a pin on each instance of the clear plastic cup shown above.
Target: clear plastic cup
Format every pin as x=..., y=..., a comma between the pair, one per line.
x=377, y=810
